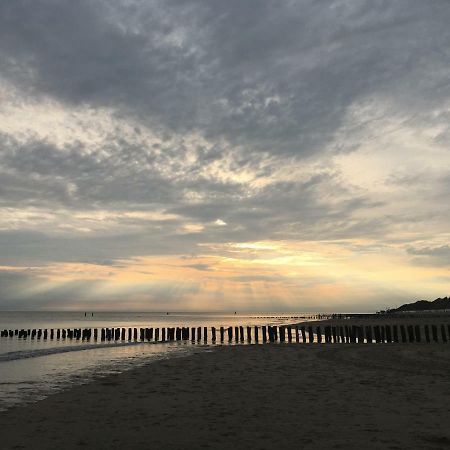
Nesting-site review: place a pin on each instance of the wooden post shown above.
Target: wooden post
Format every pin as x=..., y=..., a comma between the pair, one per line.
x=311, y=334
x=360, y=335
x=434, y=333
x=347, y=334
x=123, y=334
x=395, y=332
x=427, y=333
x=319, y=335
x=230, y=334
x=256, y=334
x=417, y=333
x=213, y=334
x=369, y=338
x=383, y=333
x=388, y=334
x=205, y=334
x=376, y=330
x=275, y=333
x=264, y=333
x=443, y=333
x=249, y=334
x=403, y=333
x=289, y=331
x=178, y=334
x=192, y=334
x=282, y=333
x=297, y=334
x=222, y=333
x=410, y=329
x=199, y=333
x=303, y=330
x=271, y=333
x=236, y=334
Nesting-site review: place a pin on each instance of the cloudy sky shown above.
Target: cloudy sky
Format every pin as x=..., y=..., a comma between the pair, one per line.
x=224, y=155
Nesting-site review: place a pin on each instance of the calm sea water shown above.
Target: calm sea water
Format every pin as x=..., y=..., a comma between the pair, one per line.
x=33, y=369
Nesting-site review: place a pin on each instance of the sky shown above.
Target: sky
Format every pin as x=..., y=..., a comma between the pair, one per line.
x=258, y=155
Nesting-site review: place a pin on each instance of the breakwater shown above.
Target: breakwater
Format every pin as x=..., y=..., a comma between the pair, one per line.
x=311, y=334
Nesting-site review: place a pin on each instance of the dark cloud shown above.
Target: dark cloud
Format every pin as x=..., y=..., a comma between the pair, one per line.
x=189, y=123
x=279, y=80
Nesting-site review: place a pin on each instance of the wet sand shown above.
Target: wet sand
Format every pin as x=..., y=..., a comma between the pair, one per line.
x=388, y=396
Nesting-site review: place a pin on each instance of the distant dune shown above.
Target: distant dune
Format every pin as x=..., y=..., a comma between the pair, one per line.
x=424, y=305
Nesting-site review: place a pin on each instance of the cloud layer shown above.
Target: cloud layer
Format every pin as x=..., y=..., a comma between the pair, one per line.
x=163, y=129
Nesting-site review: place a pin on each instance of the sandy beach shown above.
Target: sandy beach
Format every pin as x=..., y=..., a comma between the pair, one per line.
x=392, y=396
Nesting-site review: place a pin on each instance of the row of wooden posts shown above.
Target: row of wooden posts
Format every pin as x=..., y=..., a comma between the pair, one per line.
x=256, y=334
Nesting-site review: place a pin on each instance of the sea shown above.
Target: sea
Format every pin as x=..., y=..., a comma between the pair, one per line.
x=32, y=369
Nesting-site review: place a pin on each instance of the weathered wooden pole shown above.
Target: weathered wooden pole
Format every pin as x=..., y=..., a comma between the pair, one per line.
x=395, y=332
x=383, y=333
x=256, y=334
x=434, y=333
x=443, y=333
x=319, y=335
x=388, y=334
x=417, y=333
x=427, y=333
x=156, y=334
x=249, y=334
x=376, y=330
x=264, y=333
x=282, y=333
x=230, y=334
x=303, y=330
x=213, y=334
x=410, y=330
x=236, y=334
x=199, y=333
x=289, y=332
x=192, y=334
x=275, y=332
x=222, y=334
x=271, y=333
x=403, y=333
x=123, y=334
x=205, y=334
x=311, y=334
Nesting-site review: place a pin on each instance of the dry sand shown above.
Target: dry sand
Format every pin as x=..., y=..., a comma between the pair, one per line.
x=390, y=396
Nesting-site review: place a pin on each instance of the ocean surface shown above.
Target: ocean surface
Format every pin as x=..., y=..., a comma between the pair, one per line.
x=31, y=369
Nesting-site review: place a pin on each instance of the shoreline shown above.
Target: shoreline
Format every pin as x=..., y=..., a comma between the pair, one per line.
x=252, y=396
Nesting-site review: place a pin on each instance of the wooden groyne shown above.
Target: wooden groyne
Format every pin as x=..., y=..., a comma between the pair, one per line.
x=307, y=334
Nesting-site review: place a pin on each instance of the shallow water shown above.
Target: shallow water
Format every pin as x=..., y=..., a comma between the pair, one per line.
x=31, y=369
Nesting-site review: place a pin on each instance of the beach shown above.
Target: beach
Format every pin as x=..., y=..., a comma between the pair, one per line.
x=256, y=396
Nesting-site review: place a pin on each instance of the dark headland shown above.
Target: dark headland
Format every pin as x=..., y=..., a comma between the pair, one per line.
x=440, y=304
